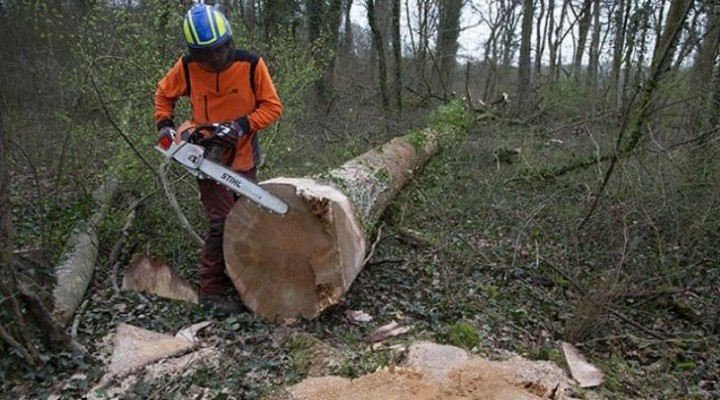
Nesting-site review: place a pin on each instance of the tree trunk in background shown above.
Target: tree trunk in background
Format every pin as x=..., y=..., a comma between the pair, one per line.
x=346, y=47
x=13, y=331
x=704, y=67
x=619, y=26
x=540, y=39
x=277, y=16
x=331, y=32
x=250, y=18
x=508, y=45
x=523, y=89
x=594, y=60
x=379, y=47
x=713, y=103
x=583, y=29
x=420, y=46
x=661, y=62
x=492, y=54
x=447, y=44
x=691, y=43
x=314, y=26
x=660, y=9
x=323, y=19
x=510, y=20
x=549, y=35
x=397, y=54
x=635, y=22
x=297, y=265
x=641, y=50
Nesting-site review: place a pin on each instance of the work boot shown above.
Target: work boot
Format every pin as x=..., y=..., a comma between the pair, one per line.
x=223, y=304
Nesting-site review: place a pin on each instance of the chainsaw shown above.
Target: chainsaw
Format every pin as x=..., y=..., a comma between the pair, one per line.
x=202, y=156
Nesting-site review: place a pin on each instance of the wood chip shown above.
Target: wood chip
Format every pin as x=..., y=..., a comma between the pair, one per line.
x=358, y=316
x=387, y=331
x=582, y=371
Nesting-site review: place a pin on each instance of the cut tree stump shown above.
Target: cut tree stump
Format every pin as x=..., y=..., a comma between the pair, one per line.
x=296, y=265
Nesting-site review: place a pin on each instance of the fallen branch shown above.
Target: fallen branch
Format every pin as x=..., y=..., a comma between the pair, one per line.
x=12, y=342
x=120, y=244
x=162, y=174
x=52, y=329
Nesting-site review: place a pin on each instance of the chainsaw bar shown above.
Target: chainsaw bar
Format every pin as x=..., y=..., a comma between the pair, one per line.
x=243, y=186
x=192, y=158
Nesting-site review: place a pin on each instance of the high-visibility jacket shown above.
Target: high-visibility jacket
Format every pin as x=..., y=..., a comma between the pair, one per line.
x=243, y=89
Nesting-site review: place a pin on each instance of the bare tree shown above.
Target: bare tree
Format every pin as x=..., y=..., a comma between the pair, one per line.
x=523, y=88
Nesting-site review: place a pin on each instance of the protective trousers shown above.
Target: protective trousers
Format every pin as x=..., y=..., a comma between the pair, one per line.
x=218, y=202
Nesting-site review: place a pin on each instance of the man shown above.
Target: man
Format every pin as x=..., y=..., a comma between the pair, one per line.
x=227, y=86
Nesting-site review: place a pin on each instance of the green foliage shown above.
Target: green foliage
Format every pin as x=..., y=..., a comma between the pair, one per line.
x=563, y=97
x=463, y=335
x=452, y=118
x=300, y=351
x=294, y=70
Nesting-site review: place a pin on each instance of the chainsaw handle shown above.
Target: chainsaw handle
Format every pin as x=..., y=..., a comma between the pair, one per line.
x=194, y=135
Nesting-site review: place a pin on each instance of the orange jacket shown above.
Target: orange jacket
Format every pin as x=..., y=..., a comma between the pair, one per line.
x=244, y=88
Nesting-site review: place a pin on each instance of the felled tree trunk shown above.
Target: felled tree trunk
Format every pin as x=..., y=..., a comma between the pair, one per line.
x=298, y=264
x=73, y=274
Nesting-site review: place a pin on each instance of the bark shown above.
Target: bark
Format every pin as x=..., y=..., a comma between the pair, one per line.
x=523, y=89
x=299, y=264
x=74, y=273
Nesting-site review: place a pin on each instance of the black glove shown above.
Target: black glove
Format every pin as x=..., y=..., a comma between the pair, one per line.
x=229, y=133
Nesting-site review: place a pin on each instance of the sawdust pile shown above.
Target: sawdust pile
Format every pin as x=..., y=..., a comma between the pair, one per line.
x=439, y=372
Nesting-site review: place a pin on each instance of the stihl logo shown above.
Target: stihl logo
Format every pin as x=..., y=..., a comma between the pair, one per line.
x=231, y=179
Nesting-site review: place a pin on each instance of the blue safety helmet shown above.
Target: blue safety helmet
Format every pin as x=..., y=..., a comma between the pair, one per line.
x=206, y=27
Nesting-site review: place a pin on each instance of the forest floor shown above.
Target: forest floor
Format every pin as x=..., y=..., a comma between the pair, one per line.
x=474, y=255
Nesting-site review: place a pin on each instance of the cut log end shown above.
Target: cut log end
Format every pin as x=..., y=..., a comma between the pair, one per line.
x=294, y=265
